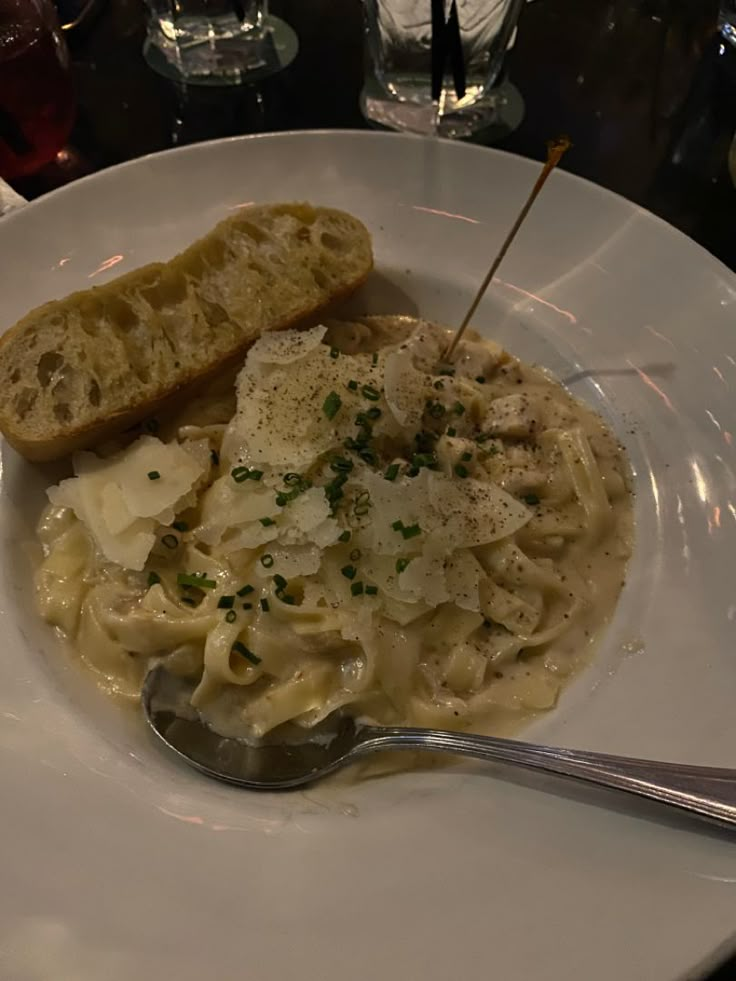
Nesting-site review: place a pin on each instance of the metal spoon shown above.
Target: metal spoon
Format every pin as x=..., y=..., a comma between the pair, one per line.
x=708, y=793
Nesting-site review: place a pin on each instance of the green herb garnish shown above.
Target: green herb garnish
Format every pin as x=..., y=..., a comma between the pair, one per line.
x=345, y=537
x=331, y=405
x=180, y=526
x=370, y=393
x=230, y=616
x=215, y=458
x=265, y=606
x=458, y=408
x=239, y=474
x=356, y=588
x=401, y=564
x=353, y=385
x=244, y=590
x=334, y=353
x=411, y=532
x=452, y=431
x=436, y=409
x=241, y=649
x=153, y=475
x=153, y=579
x=267, y=560
x=349, y=571
x=280, y=582
x=195, y=579
x=170, y=541
x=371, y=590
x=225, y=602
x=480, y=379
x=460, y=470
x=392, y=472
x=267, y=522
x=531, y=499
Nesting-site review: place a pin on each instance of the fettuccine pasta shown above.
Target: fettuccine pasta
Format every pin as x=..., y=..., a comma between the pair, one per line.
x=363, y=529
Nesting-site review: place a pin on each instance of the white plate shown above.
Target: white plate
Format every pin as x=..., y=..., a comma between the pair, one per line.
x=119, y=863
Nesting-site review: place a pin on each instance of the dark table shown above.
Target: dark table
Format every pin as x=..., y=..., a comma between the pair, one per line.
x=644, y=88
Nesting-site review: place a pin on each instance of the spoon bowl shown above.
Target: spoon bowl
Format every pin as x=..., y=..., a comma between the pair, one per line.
x=278, y=763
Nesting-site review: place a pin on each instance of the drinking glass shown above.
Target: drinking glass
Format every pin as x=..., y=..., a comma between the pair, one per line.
x=433, y=65
x=217, y=42
x=727, y=20
x=36, y=95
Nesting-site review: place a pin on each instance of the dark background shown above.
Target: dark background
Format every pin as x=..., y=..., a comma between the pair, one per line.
x=645, y=89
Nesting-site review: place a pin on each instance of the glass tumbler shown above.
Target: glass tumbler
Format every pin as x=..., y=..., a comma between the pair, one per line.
x=36, y=94
x=727, y=20
x=217, y=42
x=433, y=65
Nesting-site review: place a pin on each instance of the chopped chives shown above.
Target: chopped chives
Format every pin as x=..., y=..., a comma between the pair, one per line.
x=458, y=408
x=287, y=598
x=180, y=526
x=370, y=393
x=281, y=500
x=435, y=409
x=244, y=590
x=239, y=474
x=334, y=353
x=231, y=616
x=368, y=456
x=292, y=478
x=195, y=579
x=452, y=431
x=188, y=600
x=349, y=571
x=241, y=649
x=280, y=581
x=374, y=359
x=265, y=605
x=374, y=413
x=411, y=532
x=170, y=541
x=153, y=579
x=247, y=606
x=356, y=588
x=466, y=457
x=371, y=590
x=215, y=458
x=446, y=369
x=531, y=499
x=153, y=475
x=353, y=385
x=355, y=555
x=398, y=525
x=461, y=470
x=266, y=522
x=267, y=560
x=424, y=460
x=331, y=405
x=344, y=537
x=439, y=385
x=225, y=602
x=480, y=379
x=392, y=472
x=341, y=464
x=401, y=564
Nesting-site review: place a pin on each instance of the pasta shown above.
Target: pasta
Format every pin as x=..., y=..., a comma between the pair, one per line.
x=363, y=529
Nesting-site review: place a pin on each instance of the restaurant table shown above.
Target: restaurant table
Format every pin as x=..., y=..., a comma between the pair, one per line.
x=645, y=89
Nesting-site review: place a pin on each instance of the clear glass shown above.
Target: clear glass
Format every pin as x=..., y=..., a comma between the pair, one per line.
x=36, y=95
x=432, y=64
x=215, y=42
x=727, y=20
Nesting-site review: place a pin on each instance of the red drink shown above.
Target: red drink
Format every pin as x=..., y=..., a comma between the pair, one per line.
x=36, y=97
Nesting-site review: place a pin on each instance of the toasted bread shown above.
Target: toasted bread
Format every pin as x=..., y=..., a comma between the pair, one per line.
x=77, y=370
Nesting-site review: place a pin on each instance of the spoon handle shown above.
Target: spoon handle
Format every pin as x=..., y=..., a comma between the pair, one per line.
x=706, y=792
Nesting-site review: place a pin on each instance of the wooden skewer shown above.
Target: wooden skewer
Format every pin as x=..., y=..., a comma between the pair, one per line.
x=555, y=150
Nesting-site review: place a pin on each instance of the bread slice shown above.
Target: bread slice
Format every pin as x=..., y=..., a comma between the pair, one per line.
x=77, y=370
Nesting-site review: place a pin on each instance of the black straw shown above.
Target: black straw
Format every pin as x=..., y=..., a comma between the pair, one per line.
x=447, y=41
